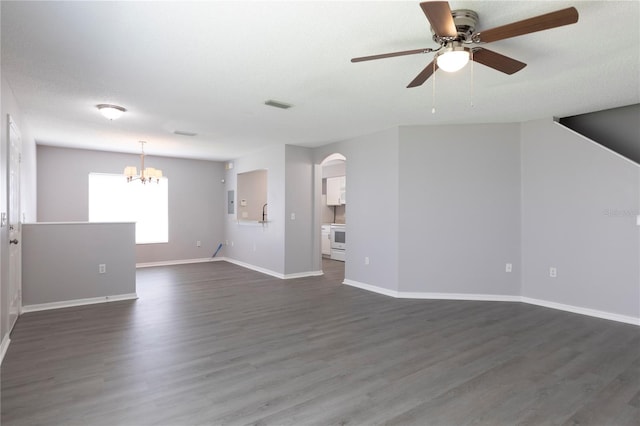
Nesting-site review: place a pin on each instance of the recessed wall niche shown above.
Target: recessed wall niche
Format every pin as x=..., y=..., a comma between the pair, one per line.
x=252, y=196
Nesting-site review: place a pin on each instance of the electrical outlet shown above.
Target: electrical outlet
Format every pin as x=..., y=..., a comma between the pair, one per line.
x=102, y=268
x=198, y=243
x=293, y=216
x=553, y=272
x=366, y=260
x=508, y=267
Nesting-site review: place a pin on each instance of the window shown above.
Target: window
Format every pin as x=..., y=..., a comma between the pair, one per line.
x=112, y=199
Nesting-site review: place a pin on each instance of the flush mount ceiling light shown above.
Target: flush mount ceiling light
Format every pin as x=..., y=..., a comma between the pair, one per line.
x=146, y=174
x=111, y=112
x=453, y=57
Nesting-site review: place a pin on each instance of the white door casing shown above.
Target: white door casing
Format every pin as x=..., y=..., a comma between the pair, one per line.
x=15, y=228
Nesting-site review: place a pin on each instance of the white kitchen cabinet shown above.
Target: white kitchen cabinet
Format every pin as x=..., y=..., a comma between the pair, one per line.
x=336, y=191
x=326, y=239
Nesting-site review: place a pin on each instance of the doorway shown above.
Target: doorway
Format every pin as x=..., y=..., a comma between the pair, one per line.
x=333, y=213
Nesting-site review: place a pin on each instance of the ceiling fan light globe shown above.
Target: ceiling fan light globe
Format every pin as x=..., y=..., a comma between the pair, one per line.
x=452, y=60
x=111, y=112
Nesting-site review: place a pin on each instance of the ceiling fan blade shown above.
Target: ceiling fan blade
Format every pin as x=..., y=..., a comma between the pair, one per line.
x=497, y=61
x=424, y=75
x=391, y=55
x=439, y=15
x=547, y=21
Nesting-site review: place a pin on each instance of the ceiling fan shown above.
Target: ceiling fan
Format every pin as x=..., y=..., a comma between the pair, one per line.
x=455, y=30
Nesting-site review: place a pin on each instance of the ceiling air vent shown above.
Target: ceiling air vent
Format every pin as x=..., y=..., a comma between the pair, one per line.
x=184, y=133
x=277, y=104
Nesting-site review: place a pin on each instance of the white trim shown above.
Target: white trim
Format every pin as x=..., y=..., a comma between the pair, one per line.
x=178, y=262
x=4, y=346
x=78, y=302
x=583, y=311
x=303, y=275
x=255, y=268
x=273, y=273
x=495, y=298
x=373, y=288
x=459, y=296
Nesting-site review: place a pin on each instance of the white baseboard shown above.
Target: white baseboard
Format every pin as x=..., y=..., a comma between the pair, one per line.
x=584, y=311
x=78, y=302
x=272, y=273
x=373, y=288
x=495, y=298
x=459, y=296
x=4, y=346
x=303, y=275
x=255, y=268
x=178, y=262
x=434, y=296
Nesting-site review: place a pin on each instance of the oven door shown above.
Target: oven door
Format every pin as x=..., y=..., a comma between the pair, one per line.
x=338, y=238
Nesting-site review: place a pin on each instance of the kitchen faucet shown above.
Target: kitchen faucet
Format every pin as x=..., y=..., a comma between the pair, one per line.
x=264, y=214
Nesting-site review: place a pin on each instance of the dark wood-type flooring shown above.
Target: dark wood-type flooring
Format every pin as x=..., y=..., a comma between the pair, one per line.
x=214, y=344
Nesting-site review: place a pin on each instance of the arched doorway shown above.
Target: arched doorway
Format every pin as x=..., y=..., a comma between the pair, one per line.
x=333, y=215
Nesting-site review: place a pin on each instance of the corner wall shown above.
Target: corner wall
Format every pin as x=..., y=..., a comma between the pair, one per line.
x=579, y=207
x=254, y=245
x=372, y=208
x=299, y=212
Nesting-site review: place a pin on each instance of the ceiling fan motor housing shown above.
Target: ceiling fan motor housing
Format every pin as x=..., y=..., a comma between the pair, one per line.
x=465, y=21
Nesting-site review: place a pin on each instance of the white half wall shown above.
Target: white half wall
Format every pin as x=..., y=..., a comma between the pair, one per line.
x=60, y=263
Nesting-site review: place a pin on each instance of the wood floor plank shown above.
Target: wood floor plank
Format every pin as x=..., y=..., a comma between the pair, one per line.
x=217, y=344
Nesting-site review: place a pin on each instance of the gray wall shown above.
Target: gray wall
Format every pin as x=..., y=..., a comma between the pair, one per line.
x=579, y=204
x=372, y=192
x=459, y=208
x=196, y=197
x=299, y=247
x=261, y=246
x=60, y=261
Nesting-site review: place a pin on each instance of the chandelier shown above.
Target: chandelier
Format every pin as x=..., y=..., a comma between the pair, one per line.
x=146, y=174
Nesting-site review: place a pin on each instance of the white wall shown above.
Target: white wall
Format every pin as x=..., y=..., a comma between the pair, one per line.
x=580, y=203
x=459, y=209
x=196, y=197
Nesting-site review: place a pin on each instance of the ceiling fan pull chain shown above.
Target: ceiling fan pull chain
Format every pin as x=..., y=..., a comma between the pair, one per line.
x=433, y=92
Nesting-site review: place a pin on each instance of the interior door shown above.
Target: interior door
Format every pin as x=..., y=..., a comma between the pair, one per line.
x=15, y=237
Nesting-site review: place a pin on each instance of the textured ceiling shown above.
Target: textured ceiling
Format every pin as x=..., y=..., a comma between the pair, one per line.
x=208, y=67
